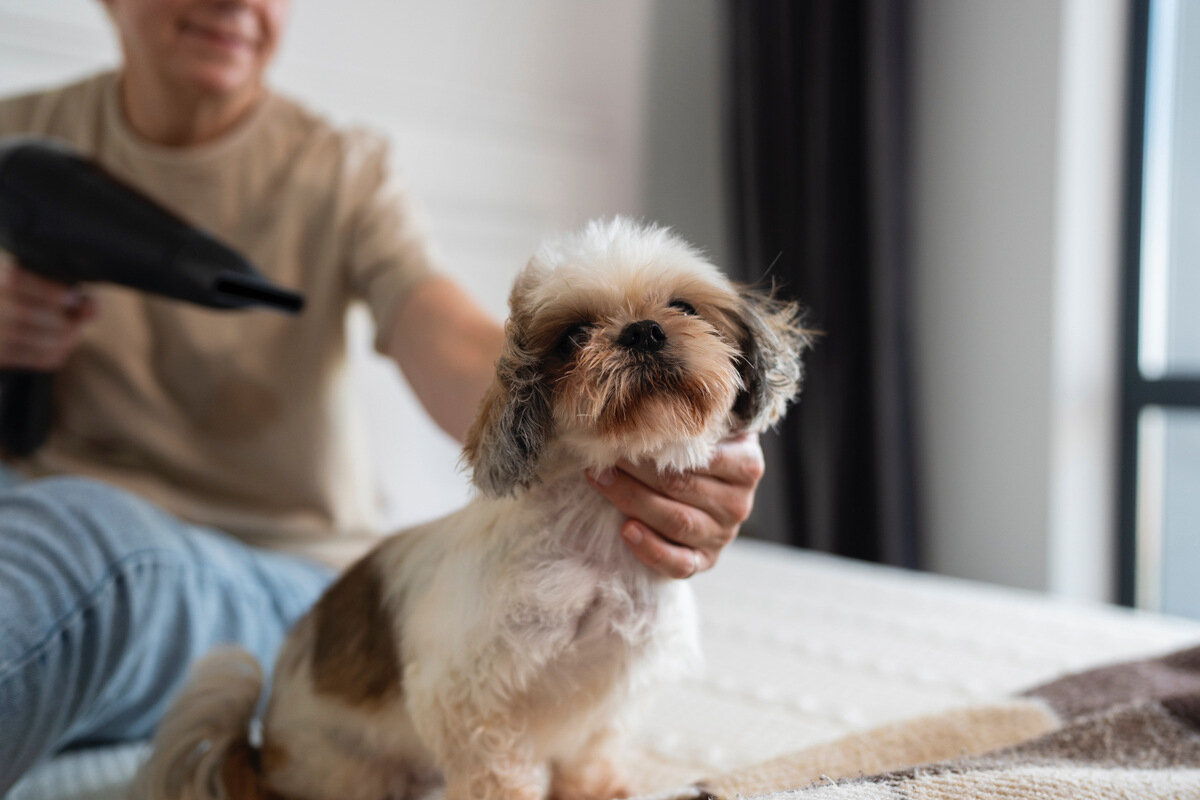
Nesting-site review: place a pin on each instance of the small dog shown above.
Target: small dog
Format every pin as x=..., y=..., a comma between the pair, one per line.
x=500, y=647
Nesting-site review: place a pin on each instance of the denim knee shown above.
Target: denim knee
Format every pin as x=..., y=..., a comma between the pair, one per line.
x=59, y=540
x=61, y=537
x=72, y=531
x=87, y=512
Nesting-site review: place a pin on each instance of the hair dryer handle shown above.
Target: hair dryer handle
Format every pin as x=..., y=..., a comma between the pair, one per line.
x=25, y=409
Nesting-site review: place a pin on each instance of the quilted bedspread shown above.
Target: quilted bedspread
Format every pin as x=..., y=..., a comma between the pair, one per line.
x=1120, y=731
x=838, y=668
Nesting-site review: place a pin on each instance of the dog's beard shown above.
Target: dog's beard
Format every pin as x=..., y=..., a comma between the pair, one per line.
x=633, y=403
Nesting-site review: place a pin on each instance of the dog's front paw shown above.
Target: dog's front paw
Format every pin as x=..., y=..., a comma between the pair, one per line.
x=595, y=779
x=502, y=781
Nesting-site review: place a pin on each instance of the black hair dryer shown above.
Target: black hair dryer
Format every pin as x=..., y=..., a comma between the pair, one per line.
x=65, y=218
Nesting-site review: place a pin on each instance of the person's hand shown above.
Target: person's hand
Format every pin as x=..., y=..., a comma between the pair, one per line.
x=40, y=320
x=679, y=522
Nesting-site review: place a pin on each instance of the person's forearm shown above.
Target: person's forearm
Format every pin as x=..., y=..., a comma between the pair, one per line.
x=447, y=347
x=454, y=400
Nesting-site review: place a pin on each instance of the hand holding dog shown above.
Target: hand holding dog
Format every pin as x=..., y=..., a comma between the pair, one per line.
x=680, y=522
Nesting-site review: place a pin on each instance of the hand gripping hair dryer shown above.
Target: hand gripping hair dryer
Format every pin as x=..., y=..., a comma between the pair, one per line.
x=66, y=219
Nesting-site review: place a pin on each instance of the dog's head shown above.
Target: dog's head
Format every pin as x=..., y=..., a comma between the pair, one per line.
x=623, y=342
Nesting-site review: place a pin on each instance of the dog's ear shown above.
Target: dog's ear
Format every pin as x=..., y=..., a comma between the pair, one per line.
x=771, y=340
x=509, y=432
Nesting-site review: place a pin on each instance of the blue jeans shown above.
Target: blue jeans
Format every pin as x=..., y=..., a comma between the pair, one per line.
x=106, y=600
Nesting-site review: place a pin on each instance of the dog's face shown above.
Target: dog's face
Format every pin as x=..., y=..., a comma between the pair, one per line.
x=623, y=342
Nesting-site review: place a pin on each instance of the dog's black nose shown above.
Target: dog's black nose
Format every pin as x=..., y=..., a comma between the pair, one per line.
x=646, y=336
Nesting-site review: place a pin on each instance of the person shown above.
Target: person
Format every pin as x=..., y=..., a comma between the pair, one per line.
x=197, y=484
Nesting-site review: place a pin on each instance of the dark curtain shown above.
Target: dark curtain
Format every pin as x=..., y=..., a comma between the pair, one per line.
x=817, y=130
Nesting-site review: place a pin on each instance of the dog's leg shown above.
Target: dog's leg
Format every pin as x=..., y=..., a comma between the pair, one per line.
x=592, y=773
x=507, y=776
x=482, y=755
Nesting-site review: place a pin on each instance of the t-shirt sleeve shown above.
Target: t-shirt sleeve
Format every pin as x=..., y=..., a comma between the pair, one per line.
x=388, y=252
x=17, y=114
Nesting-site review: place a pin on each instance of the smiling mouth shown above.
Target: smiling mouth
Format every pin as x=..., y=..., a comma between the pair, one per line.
x=216, y=36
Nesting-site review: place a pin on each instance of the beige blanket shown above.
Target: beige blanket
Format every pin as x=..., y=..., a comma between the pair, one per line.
x=1125, y=731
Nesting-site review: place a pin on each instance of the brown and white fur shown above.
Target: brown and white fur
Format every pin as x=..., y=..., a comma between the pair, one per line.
x=502, y=647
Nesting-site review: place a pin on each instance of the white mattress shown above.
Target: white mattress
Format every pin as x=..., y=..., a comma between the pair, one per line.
x=802, y=648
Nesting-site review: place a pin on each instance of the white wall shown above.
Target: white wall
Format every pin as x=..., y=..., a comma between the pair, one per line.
x=1088, y=219
x=683, y=180
x=1016, y=173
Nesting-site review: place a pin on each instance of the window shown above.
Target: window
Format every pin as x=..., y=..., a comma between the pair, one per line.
x=1160, y=409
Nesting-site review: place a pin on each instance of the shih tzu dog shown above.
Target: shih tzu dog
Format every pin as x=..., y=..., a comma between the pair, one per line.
x=501, y=648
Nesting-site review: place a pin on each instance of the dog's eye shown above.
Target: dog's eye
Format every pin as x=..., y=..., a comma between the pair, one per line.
x=572, y=338
x=684, y=306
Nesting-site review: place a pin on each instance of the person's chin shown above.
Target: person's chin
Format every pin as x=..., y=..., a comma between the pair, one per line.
x=221, y=78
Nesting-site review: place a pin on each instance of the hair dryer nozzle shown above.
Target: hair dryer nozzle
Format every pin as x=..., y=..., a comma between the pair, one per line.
x=240, y=289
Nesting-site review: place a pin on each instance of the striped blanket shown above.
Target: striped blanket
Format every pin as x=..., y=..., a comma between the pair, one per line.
x=1126, y=731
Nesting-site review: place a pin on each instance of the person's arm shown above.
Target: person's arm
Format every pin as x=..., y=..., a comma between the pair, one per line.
x=447, y=346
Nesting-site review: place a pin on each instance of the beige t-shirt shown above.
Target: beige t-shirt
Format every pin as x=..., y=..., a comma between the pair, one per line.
x=236, y=420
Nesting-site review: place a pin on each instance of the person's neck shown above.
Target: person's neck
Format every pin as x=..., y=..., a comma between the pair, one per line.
x=163, y=115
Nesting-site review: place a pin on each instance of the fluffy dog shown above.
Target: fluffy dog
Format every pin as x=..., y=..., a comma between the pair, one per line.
x=502, y=647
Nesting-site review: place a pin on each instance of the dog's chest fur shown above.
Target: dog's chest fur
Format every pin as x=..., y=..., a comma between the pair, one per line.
x=561, y=576
x=575, y=592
